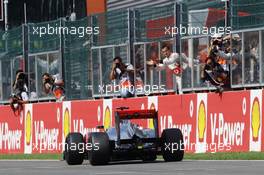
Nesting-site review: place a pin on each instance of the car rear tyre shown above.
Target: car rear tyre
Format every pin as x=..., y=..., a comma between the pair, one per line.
x=74, y=149
x=172, y=146
x=99, y=154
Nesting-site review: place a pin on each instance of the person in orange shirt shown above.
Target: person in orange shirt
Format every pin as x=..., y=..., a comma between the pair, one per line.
x=54, y=84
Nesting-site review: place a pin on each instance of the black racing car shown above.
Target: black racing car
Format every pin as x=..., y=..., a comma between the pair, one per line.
x=125, y=141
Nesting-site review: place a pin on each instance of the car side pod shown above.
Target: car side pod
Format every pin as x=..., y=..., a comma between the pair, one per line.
x=172, y=146
x=74, y=149
x=100, y=151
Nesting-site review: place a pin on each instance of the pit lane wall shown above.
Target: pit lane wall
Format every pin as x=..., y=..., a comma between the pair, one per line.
x=209, y=122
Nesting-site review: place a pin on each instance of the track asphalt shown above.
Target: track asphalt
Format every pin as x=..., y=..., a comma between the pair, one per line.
x=192, y=167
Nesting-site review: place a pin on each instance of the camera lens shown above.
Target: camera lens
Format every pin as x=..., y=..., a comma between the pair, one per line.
x=215, y=42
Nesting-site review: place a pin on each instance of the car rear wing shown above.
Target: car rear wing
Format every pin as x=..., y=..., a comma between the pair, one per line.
x=135, y=114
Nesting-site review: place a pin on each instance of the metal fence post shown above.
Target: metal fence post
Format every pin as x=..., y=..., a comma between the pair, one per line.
x=61, y=49
x=133, y=46
x=260, y=58
x=177, y=23
x=25, y=42
x=243, y=60
x=227, y=16
x=177, y=42
x=1, y=83
x=129, y=36
x=91, y=56
x=101, y=72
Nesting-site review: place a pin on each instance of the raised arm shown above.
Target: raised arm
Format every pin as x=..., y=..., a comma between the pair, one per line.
x=112, y=75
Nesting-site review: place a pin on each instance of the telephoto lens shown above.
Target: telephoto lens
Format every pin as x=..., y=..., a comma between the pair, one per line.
x=21, y=76
x=215, y=42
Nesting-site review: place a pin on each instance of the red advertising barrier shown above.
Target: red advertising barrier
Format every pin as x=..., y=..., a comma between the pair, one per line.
x=209, y=122
x=132, y=104
x=178, y=112
x=46, y=128
x=228, y=122
x=86, y=115
x=156, y=28
x=11, y=131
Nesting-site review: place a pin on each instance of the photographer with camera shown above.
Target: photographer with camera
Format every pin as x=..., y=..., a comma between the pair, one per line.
x=20, y=92
x=54, y=84
x=124, y=73
x=216, y=69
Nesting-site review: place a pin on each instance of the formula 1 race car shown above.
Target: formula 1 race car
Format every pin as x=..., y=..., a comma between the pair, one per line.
x=125, y=141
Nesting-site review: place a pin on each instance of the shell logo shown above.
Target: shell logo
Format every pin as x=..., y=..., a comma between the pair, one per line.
x=66, y=122
x=107, y=118
x=255, y=119
x=151, y=121
x=28, y=128
x=201, y=121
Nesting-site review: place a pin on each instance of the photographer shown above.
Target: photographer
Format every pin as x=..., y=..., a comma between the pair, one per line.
x=54, y=84
x=125, y=74
x=216, y=69
x=20, y=91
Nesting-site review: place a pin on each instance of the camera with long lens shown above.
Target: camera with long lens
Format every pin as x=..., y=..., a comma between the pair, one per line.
x=14, y=102
x=48, y=81
x=216, y=42
x=117, y=65
x=214, y=50
x=14, y=96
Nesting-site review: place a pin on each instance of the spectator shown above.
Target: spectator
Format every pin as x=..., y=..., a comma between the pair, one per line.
x=173, y=62
x=216, y=69
x=54, y=84
x=152, y=53
x=20, y=92
x=124, y=73
x=236, y=60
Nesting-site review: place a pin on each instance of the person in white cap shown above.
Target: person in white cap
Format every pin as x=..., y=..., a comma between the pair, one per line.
x=124, y=73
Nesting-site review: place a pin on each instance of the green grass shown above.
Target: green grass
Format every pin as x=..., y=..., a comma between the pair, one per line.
x=187, y=156
x=226, y=156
